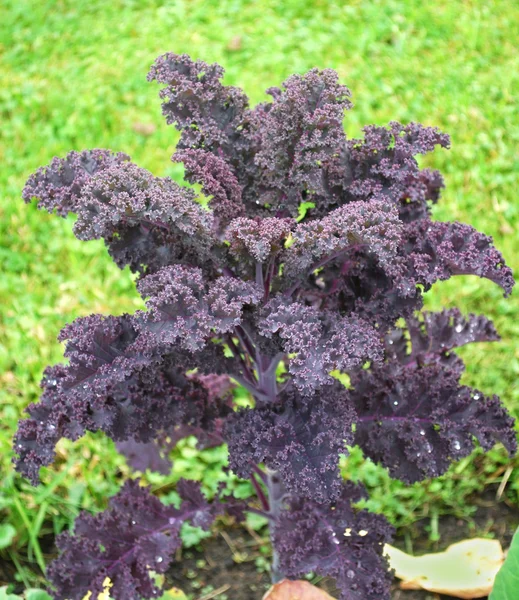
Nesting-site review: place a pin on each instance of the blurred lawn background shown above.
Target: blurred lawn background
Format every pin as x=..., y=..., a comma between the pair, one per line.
x=72, y=76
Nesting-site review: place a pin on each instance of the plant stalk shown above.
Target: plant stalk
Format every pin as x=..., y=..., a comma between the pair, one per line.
x=276, y=495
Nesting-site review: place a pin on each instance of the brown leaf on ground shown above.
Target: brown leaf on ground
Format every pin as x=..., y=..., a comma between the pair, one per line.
x=234, y=44
x=145, y=129
x=295, y=590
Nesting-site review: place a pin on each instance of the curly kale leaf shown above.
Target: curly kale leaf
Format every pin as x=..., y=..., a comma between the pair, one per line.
x=136, y=535
x=218, y=181
x=383, y=167
x=416, y=420
x=318, y=342
x=207, y=112
x=300, y=437
x=59, y=185
x=432, y=335
x=437, y=251
x=335, y=540
x=113, y=383
x=299, y=145
x=184, y=310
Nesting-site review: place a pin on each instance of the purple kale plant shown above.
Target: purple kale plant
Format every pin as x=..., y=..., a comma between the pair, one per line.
x=306, y=254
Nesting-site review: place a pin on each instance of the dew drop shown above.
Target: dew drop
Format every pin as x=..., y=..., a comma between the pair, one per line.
x=51, y=427
x=159, y=559
x=477, y=396
x=350, y=574
x=20, y=446
x=459, y=328
x=395, y=402
x=418, y=454
x=133, y=522
x=391, y=342
x=422, y=432
x=457, y=445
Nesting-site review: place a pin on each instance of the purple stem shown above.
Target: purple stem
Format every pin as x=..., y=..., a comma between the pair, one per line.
x=393, y=418
x=271, y=267
x=246, y=340
x=260, y=473
x=259, y=275
x=248, y=375
x=260, y=493
x=276, y=495
x=267, y=380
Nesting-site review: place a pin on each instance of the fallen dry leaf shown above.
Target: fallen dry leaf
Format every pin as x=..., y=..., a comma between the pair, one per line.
x=145, y=129
x=464, y=570
x=234, y=43
x=295, y=590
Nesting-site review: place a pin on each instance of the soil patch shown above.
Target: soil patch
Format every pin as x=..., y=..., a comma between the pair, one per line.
x=226, y=566
x=232, y=564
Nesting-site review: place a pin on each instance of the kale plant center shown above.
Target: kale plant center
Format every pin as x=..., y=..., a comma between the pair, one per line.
x=306, y=255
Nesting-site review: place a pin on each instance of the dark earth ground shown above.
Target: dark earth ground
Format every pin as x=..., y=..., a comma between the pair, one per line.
x=229, y=565
x=225, y=565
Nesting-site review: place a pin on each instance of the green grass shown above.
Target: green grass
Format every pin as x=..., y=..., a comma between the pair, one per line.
x=72, y=76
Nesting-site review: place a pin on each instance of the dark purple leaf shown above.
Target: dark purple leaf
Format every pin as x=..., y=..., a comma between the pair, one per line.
x=218, y=181
x=384, y=167
x=440, y=332
x=136, y=535
x=194, y=100
x=59, y=185
x=372, y=227
x=437, y=251
x=319, y=342
x=300, y=437
x=258, y=239
x=338, y=541
x=184, y=310
x=300, y=148
x=113, y=383
x=417, y=420
x=143, y=456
